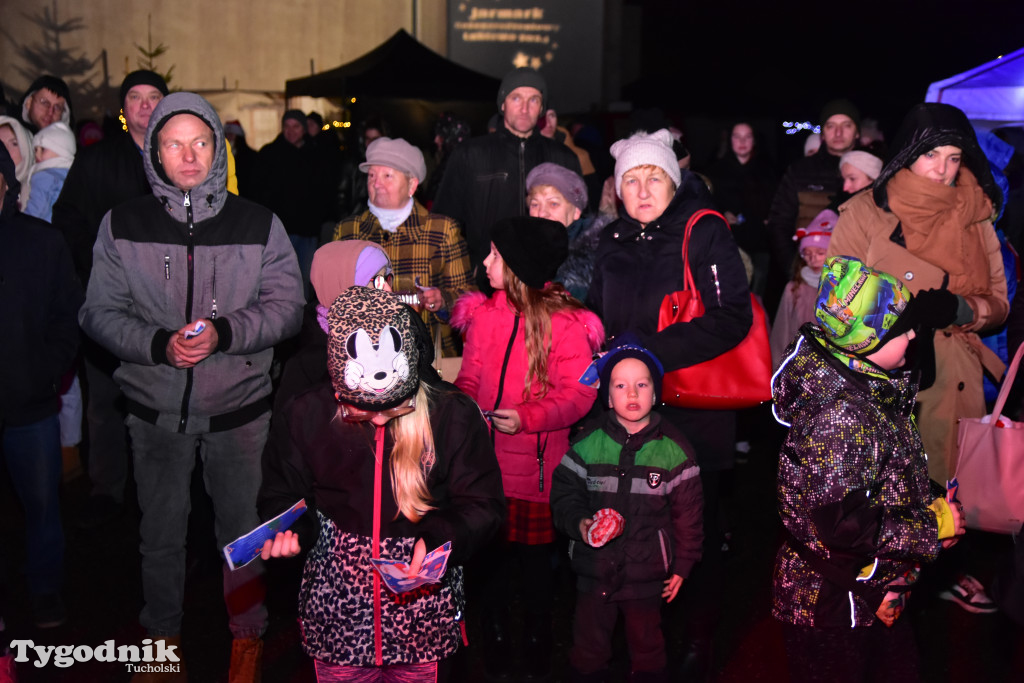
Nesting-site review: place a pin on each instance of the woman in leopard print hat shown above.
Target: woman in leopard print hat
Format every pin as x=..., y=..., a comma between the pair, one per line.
x=395, y=463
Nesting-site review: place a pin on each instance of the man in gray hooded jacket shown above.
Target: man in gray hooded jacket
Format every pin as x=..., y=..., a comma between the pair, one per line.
x=191, y=287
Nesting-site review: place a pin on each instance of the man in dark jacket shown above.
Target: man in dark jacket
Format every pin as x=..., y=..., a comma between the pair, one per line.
x=191, y=288
x=806, y=189
x=486, y=176
x=294, y=184
x=104, y=175
x=39, y=299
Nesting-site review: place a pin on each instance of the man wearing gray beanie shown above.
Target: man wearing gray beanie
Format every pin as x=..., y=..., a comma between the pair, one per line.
x=486, y=176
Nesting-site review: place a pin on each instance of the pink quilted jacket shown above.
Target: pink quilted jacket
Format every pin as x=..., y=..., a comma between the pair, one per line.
x=575, y=336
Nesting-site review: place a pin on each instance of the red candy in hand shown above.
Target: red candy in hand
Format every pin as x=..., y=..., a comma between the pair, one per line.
x=607, y=525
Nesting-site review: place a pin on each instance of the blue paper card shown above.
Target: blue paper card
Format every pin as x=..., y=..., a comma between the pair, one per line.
x=247, y=548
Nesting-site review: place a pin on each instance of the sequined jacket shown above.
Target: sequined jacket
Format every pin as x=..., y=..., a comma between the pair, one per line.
x=852, y=485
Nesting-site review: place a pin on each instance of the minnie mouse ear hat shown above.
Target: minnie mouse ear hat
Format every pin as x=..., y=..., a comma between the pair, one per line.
x=373, y=352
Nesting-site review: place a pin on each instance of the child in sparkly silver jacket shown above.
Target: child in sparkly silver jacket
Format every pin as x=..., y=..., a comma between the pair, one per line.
x=853, y=486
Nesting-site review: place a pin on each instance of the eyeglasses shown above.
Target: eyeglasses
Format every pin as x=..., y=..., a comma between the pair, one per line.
x=43, y=103
x=350, y=413
x=380, y=280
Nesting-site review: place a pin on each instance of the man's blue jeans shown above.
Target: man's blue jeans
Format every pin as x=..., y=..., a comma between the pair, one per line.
x=32, y=454
x=231, y=471
x=304, y=248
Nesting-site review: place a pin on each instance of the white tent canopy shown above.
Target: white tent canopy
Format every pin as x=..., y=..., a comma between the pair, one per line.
x=992, y=95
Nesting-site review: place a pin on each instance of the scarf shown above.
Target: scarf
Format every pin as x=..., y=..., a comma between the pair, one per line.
x=944, y=224
x=390, y=219
x=809, y=277
x=55, y=162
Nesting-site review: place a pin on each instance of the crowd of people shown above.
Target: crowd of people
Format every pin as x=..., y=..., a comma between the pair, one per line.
x=467, y=364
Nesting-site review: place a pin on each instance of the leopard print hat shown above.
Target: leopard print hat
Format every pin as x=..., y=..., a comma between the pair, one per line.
x=372, y=354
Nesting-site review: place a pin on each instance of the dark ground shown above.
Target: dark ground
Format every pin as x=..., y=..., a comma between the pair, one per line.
x=103, y=595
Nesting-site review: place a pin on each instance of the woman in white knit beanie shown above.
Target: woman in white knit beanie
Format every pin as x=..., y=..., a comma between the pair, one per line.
x=859, y=169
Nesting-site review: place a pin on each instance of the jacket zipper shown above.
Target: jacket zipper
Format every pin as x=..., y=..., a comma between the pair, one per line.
x=190, y=264
x=377, y=474
x=718, y=287
x=213, y=307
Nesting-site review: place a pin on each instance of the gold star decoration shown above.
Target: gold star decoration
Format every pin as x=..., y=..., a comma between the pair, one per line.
x=520, y=60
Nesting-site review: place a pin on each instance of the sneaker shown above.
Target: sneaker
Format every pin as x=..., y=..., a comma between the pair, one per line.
x=48, y=610
x=968, y=592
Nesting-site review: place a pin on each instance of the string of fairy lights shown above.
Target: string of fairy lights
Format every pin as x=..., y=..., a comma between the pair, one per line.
x=794, y=127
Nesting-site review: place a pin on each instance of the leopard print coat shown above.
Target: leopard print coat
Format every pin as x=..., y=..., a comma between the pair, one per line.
x=336, y=605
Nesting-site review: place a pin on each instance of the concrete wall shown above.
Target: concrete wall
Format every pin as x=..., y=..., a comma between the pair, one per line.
x=212, y=44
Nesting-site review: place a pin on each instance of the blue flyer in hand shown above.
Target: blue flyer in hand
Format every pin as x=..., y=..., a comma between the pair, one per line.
x=245, y=549
x=394, y=571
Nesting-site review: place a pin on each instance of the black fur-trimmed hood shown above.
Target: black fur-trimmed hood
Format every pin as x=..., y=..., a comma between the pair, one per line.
x=927, y=126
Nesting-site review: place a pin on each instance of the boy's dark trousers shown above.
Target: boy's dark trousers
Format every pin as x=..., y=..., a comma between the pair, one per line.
x=594, y=624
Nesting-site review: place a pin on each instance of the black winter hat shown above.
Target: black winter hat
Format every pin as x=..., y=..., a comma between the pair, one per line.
x=840, y=106
x=523, y=77
x=143, y=77
x=533, y=248
x=296, y=114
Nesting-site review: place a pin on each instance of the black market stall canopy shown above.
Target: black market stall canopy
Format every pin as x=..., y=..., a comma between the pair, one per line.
x=403, y=68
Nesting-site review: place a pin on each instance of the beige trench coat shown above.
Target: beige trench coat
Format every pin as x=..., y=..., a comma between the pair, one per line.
x=863, y=231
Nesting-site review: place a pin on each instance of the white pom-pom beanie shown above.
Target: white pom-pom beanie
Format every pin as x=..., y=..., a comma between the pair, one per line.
x=641, y=149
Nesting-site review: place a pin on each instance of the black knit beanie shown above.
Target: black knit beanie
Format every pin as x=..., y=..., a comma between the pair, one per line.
x=533, y=248
x=523, y=77
x=840, y=106
x=142, y=77
x=296, y=114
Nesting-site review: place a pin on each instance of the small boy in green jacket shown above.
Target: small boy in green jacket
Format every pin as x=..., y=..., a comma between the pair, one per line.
x=628, y=496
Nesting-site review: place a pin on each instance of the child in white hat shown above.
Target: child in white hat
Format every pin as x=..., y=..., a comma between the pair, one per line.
x=55, y=151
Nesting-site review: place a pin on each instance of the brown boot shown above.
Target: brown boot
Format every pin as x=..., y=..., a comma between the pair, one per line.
x=179, y=675
x=246, y=660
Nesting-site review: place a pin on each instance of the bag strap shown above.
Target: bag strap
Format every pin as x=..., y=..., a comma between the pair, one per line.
x=688, y=283
x=1004, y=390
